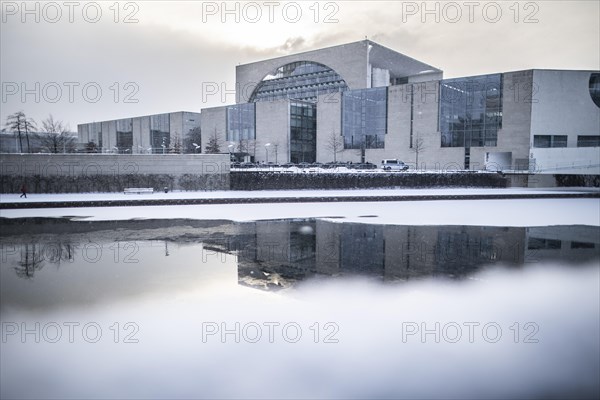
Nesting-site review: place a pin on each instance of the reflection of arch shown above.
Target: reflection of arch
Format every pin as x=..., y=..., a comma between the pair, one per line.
x=595, y=88
x=301, y=80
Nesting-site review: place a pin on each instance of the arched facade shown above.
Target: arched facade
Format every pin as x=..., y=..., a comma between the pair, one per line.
x=299, y=80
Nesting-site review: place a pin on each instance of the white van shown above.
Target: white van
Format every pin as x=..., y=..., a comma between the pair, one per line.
x=393, y=165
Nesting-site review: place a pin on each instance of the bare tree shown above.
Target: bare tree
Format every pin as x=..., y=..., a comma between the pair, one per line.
x=31, y=260
x=418, y=147
x=56, y=137
x=335, y=144
x=19, y=123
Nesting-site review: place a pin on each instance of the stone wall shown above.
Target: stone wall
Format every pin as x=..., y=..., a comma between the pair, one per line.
x=71, y=173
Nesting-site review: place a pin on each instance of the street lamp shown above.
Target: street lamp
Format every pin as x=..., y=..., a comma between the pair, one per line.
x=230, y=147
x=196, y=146
x=116, y=149
x=267, y=151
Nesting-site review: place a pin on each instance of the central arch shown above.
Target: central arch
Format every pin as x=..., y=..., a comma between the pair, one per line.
x=300, y=80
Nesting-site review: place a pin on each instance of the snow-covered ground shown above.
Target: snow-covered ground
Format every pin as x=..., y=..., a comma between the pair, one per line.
x=520, y=212
x=228, y=194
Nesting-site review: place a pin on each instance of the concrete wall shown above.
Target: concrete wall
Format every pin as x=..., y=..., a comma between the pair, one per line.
x=425, y=115
x=514, y=135
x=214, y=121
x=329, y=121
x=349, y=60
x=48, y=171
x=353, y=61
x=425, y=106
x=272, y=126
x=566, y=160
x=562, y=105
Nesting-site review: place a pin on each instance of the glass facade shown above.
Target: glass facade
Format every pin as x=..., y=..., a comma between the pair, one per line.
x=471, y=111
x=303, y=132
x=124, y=135
x=241, y=122
x=190, y=122
x=95, y=133
x=549, y=141
x=364, y=118
x=160, y=133
x=302, y=80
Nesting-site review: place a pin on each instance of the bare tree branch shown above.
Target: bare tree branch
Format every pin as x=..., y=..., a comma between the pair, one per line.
x=56, y=137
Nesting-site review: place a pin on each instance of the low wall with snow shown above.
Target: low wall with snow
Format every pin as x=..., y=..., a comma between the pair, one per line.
x=566, y=160
x=248, y=180
x=76, y=173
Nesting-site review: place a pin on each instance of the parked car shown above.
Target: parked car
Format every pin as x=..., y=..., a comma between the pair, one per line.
x=393, y=165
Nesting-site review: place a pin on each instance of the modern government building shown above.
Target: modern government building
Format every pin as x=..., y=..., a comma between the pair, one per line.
x=362, y=102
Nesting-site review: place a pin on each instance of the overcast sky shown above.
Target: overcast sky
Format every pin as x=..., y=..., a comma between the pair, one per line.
x=166, y=52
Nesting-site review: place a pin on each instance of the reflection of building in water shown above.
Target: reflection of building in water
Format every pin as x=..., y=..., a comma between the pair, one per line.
x=278, y=253
x=406, y=252
x=275, y=254
x=563, y=243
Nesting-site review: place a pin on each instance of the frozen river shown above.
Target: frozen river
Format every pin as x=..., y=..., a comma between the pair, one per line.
x=371, y=300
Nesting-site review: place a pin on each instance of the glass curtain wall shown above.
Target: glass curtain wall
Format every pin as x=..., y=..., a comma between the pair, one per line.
x=364, y=118
x=124, y=136
x=95, y=134
x=160, y=133
x=471, y=111
x=241, y=122
x=303, y=132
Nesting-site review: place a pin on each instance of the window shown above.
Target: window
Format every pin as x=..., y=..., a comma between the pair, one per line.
x=588, y=141
x=160, y=133
x=95, y=134
x=124, y=136
x=546, y=141
x=303, y=132
x=364, y=118
x=471, y=111
x=543, y=244
x=241, y=122
x=582, y=245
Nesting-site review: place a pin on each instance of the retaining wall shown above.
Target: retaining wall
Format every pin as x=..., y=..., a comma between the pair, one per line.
x=71, y=173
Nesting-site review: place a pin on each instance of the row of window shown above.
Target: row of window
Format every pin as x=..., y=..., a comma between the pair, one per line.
x=547, y=141
x=553, y=244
